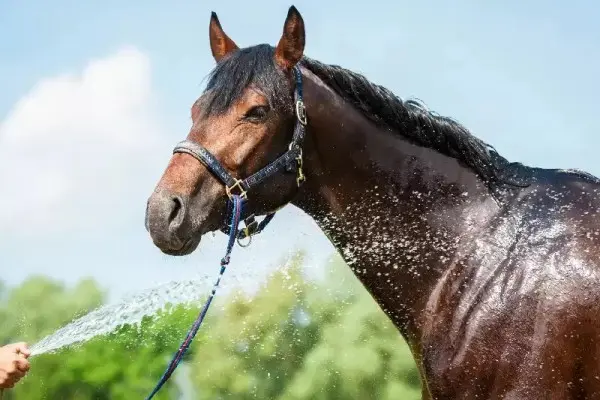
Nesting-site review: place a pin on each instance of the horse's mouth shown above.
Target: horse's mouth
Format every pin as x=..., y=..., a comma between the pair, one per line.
x=191, y=244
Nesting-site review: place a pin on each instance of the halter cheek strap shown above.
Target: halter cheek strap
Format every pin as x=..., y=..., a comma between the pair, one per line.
x=290, y=160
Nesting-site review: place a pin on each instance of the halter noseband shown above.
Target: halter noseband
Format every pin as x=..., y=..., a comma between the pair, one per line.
x=240, y=187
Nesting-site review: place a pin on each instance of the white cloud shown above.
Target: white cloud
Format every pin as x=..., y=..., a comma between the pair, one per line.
x=75, y=151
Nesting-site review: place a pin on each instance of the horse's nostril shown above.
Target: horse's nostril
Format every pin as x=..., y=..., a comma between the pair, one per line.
x=175, y=209
x=176, y=215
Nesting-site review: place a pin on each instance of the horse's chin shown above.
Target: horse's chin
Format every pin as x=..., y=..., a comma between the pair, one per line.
x=188, y=247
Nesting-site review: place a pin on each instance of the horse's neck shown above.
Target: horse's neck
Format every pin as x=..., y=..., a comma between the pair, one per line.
x=396, y=212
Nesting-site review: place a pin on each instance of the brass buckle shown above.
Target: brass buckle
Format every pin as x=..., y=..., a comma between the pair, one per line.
x=238, y=184
x=301, y=177
x=301, y=112
x=250, y=228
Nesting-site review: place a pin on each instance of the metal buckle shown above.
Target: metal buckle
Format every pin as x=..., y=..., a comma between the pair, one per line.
x=251, y=227
x=301, y=112
x=238, y=184
x=300, y=178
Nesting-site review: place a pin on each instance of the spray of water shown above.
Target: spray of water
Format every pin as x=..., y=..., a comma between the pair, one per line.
x=130, y=310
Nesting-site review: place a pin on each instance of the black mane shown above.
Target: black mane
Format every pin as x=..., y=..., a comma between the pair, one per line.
x=419, y=125
x=410, y=118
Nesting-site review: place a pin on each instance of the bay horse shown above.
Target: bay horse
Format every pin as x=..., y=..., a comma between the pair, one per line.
x=488, y=268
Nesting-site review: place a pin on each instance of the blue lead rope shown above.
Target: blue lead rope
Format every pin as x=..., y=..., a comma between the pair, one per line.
x=236, y=212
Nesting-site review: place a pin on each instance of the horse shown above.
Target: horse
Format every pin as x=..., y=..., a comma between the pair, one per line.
x=488, y=268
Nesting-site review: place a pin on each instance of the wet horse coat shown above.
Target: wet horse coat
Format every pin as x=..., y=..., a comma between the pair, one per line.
x=494, y=286
x=488, y=268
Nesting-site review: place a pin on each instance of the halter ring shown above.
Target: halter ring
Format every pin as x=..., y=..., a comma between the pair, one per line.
x=238, y=185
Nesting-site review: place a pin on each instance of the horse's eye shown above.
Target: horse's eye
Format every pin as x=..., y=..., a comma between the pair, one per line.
x=257, y=113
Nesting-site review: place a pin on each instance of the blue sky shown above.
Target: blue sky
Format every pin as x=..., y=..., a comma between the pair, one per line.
x=520, y=75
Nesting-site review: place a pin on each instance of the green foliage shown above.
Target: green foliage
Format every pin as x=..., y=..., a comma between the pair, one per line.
x=40, y=305
x=295, y=340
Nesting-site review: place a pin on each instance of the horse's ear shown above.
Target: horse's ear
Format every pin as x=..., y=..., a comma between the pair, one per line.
x=291, y=45
x=220, y=44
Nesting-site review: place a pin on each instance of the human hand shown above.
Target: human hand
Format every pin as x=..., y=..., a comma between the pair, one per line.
x=13, y=364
